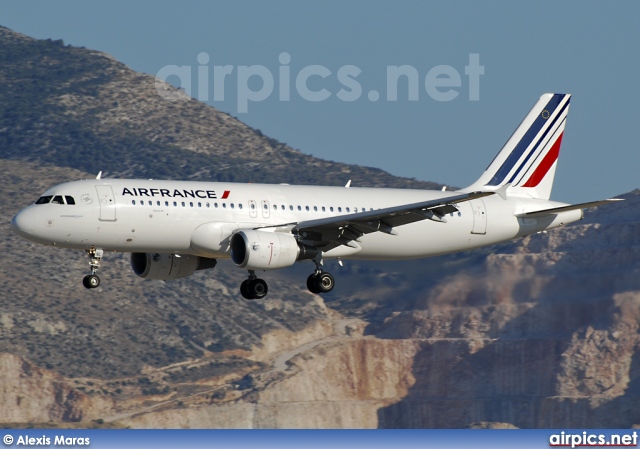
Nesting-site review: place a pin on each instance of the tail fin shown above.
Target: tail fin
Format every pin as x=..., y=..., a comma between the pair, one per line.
x=527, y=162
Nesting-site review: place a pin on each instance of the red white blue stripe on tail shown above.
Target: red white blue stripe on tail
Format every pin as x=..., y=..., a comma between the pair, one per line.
x=529, y=158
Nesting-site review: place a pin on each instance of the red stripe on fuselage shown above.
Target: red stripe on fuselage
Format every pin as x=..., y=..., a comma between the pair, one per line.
x=225, y=195
x=542, y=170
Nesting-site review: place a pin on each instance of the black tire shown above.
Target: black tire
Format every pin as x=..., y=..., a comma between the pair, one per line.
x=311, y=284
x=91, y=281
x=245, y=290
x=324, y=282
x=259, y=288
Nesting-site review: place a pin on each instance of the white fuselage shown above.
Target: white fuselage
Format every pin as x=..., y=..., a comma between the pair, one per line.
x=187, y=217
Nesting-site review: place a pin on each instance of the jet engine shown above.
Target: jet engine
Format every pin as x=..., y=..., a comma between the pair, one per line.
x=168, y=266
x=263, y=250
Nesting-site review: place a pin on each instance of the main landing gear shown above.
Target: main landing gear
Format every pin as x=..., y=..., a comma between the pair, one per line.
x=318, y=282
x=253, y=288
x=92, y=280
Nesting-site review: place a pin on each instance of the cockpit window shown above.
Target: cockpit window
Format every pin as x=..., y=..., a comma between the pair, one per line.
x=44, y=199
x=58, y=199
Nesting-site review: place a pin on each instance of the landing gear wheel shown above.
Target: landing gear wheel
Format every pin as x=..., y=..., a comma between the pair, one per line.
x=324, y=282
x=91, y=281
x=254, y=289
x=311, y=283
x=259, y=288
x=244, y=290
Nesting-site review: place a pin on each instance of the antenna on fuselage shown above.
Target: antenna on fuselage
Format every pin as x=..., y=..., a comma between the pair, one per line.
x=99, y=175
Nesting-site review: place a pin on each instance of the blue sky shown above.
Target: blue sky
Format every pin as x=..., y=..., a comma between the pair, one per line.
x=587, y=49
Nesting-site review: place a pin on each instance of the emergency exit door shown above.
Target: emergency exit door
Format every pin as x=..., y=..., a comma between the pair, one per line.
x=479, y=217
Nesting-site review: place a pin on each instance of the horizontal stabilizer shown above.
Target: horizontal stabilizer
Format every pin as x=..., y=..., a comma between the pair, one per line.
x=557, y=210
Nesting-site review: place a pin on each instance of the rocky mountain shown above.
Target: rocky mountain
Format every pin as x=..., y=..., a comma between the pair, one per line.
x=540, y=332
x=77, y=108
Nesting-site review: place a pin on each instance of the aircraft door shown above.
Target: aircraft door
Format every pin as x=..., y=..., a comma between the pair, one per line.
x=265, y=209
x=107, y=203
x=253, y=209
x=479, y=217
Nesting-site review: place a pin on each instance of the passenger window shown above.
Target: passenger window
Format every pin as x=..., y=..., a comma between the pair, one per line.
x=239, y=205
x=207, y=204
x=315, y=208
x=339, y=209
x=331, y=208
x=191, y=204
x=291, y=207
x=133, y=202
x=70, y=199
x=253, y=206
x=199, y=204
x=224, y=205
x=183, y=204
x=299, y=208
x=355, y=209
x=150, y=203
x=233, y=205
x=275, y=207
x=307, y=208
x=347, y=209
x=175, y=204
x=166, y=203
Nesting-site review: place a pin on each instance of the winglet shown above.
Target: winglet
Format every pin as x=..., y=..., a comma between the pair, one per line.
x=99, y=175
x=348, y=184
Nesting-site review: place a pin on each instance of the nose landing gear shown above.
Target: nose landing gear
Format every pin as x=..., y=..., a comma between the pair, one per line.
x=92, y=280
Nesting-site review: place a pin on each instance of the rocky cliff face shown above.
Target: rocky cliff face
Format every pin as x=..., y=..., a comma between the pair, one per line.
x=29, y=393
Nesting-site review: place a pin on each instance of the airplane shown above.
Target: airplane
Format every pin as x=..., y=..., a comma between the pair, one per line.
x=174, y=228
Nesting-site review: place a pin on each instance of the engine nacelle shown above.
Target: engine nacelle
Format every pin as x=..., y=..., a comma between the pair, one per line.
x=164, y=267
x=263, y=250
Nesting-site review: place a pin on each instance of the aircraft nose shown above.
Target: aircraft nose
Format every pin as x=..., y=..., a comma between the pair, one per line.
x=21, y=225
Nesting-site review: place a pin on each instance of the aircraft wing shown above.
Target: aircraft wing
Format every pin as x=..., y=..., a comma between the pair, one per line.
x=331, y=232
x=556, y=210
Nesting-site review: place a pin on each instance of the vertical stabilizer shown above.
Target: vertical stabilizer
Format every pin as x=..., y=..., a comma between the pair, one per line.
x=527, y=162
